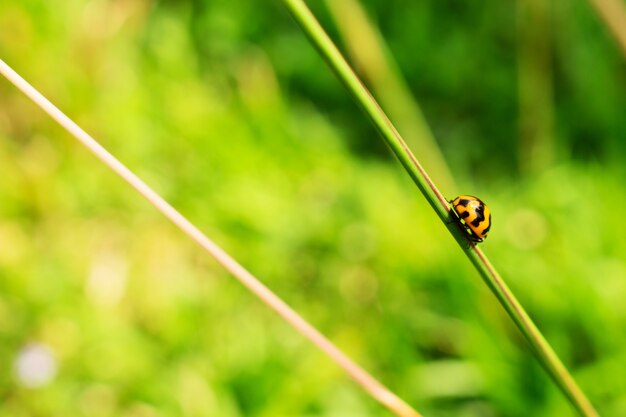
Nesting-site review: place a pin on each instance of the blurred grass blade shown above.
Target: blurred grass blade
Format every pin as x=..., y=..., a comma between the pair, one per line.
x=536, y=104
x=540, y=347
x=613, y=14
x=367, y=382
x=372, y=57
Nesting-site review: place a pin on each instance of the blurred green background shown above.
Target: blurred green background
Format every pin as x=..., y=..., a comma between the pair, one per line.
x=107, y=310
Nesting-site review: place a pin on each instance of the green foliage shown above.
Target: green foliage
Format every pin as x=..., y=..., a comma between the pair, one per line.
x=226, y=109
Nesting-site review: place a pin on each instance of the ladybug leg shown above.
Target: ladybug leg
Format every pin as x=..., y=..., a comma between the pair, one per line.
x=454, y=218
x=470, y=237
x=468, y=242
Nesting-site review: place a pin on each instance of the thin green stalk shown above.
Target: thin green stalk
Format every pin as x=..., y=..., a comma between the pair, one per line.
x=368, y=50
x=540, y=347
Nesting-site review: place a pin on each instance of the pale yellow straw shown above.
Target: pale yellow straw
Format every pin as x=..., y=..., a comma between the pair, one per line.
x=369, y=384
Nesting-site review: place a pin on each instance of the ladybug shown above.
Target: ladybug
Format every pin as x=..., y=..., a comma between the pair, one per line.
x=474, y=215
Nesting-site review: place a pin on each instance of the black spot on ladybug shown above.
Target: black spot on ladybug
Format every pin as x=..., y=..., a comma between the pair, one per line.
x=488, y=226
x=480, y=216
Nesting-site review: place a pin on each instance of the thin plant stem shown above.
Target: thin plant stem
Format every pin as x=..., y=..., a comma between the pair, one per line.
x=371, y=55
x=362, y=377
x=539, y=346
x=536, y=103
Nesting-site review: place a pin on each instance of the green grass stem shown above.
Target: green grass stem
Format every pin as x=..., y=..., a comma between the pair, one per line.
x=540, y=347
x=369, y=52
